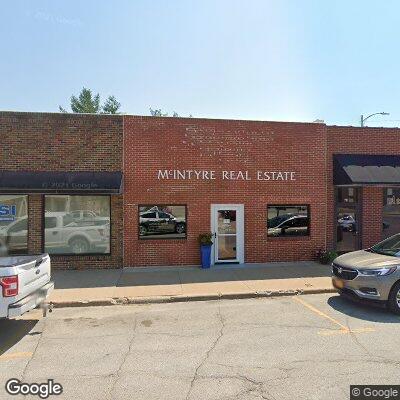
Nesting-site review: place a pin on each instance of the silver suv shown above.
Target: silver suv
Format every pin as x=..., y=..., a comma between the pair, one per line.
x=371, y=274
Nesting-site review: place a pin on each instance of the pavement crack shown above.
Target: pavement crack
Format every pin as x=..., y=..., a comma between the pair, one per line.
x=34, y=352
x=117, y=373
x=208, y=352
x=257, y=387
x=356, y=340
x=172, y=335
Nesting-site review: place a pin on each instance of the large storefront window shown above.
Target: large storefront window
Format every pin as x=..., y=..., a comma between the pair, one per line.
x=391, y=212
x=288, y=220
x=347, y=219
x=162, y=221
x=13, y=224
x=77, y=224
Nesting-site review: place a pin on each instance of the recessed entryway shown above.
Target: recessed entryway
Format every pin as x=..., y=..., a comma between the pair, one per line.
x=227, y=226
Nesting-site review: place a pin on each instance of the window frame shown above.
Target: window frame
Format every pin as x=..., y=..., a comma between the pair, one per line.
x=161, y=236
x=384, y=200
x=289, y=237
x=72, y=254
x=27, y=218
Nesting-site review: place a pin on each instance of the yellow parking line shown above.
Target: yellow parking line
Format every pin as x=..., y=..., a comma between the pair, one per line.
x=344, y=332
x=343, y=329
x=21, y=354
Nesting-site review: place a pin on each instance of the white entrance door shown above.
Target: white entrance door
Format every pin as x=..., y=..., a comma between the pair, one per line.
x=228, y=230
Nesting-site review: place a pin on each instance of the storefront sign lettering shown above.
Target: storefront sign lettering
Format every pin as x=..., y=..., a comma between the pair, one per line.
x=393, y=200
x=206, y=175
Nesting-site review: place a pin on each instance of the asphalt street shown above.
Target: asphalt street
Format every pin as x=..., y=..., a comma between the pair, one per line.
x=301, y=347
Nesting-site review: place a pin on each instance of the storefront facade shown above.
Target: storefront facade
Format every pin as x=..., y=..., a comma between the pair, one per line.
x=99, y=191
x=230, y=177
x=267, y=191
x=61, y=188
x=374, y=199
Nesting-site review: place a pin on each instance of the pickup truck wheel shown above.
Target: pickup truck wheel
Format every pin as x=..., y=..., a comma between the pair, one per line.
x=394, y=299
x=142, y=230
x=180, y=228
x=79, y=246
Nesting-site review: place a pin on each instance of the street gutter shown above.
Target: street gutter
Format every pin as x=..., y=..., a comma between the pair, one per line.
x=186, y=298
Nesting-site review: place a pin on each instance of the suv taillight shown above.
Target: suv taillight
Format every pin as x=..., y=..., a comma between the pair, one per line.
x=9, y=285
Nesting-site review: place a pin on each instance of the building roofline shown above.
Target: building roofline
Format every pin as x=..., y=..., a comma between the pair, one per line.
x=136, y=116
x=53, y=113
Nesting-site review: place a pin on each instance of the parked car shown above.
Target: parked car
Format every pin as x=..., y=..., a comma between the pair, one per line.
x=156, y=221
x=288, y=224
x=63, y=232
x=372, y=274
x=25, y=283
x=347, y=223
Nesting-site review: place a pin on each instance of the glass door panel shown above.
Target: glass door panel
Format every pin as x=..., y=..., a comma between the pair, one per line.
x=347, y=238
x=226, y=236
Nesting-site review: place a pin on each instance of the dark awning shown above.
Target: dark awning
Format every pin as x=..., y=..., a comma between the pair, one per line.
x=60, y=182
x=363, y=169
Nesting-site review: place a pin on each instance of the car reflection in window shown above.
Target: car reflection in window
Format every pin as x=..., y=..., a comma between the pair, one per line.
x=14, y=237
x=157, y=223
x=347, y=223
x=288, y=225
x=65, y=234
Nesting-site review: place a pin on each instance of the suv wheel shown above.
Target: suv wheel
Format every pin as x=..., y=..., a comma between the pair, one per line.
x=180, y=228
x=394, y=299
x=79, y=246
x=142, y=230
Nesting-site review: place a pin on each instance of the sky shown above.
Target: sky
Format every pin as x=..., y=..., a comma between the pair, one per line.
x=277, y=60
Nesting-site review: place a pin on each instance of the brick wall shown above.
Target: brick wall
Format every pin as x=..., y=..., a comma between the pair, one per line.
x=354, y=140
x=204, y=144
x=65, y=142
x=35, y=220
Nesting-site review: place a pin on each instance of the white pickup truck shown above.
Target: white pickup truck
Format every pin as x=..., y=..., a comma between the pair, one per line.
x=25, y=284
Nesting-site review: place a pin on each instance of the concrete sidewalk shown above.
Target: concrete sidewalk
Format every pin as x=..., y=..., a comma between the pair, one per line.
x=168, y=284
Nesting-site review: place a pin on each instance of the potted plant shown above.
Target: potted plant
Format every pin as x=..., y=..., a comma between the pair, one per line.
x=326, y=256
x=205, y=240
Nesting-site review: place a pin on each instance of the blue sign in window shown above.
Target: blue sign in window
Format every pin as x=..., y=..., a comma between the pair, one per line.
x=8, y=212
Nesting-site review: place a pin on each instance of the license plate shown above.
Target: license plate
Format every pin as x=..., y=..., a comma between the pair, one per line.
x=338, y=284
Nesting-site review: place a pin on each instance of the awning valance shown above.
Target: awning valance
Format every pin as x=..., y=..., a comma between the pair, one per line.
x=363, y=169
x=60, y=182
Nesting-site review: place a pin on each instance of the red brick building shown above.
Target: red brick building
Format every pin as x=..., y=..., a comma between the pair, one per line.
x=267, y=191
x=230, y=177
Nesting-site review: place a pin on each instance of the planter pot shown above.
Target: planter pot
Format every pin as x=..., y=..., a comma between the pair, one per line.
x=205, y=251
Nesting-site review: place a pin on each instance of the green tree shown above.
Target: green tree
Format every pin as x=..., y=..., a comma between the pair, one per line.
x=111, y=105
x=87, y=102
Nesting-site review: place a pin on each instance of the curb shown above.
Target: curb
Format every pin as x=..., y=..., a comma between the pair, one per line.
x=182, y=298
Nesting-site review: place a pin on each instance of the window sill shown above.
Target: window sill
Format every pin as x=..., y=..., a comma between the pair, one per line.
x=288, y=238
